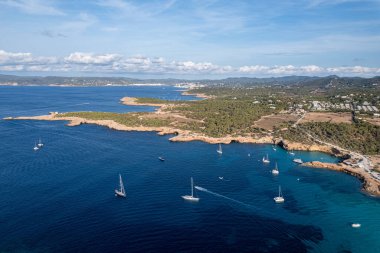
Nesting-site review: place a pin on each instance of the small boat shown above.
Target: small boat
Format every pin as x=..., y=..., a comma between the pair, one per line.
x=275, y=171
x=274, y=148
x=120, y=192
x=297, y=160
x=221, y=178
x=161, y=158
x=280, y=198
x=191, y=197
x=249, y=154
x=291, y=153
x=219, y=150
x=40, y=144
x=35, y=147
x=266, y=160
x=356, y=225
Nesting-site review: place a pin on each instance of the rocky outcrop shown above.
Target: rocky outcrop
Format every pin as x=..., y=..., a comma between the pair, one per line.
x=225, y=140
x=288, y=145
x=330, y=166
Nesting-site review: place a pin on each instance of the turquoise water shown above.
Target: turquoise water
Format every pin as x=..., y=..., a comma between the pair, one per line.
x=60, y=198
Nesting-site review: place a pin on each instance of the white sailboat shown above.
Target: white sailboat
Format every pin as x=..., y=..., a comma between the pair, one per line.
x=191, y=197
x=275, y=171
x=35, y=147
x=220, y=151
x=280, y=198
x=120, y=192
x=291, y=153
x=266, y=160
x=356, y=225
x=40, y=144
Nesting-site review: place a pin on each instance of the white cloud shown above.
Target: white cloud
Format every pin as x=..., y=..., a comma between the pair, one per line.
x=8, y=58
x=38, y=7
x=253, y=69
x=12, y=68
x=115, y=63
x=88, y=58
x=312, y=69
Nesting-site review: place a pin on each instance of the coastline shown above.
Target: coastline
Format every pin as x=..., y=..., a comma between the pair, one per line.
x=370, y=184
x=180, y=135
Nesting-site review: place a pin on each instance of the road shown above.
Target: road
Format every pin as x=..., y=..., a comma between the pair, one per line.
x=365, y=164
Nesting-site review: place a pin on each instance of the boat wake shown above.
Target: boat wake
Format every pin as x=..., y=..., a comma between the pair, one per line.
x=224, y=197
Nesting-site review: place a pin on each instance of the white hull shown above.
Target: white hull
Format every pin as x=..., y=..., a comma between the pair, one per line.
x=120, y=194
x=279, y=199
x=219, y=150
x=299, y=161
x=356, y=225
x=190, y=198
x=275, y=172
x=35, y=148
x=266, y=159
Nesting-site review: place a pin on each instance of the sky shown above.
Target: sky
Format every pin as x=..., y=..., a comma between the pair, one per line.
x=190, y=38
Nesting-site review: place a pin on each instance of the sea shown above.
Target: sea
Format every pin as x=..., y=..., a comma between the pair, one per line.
x=61, y=197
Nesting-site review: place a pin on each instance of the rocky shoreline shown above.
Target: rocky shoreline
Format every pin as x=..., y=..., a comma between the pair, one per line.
x=370, y=185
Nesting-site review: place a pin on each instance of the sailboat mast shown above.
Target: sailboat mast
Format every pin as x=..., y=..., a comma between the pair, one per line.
x=279, y=191
x=121, y=184
x=192, y=188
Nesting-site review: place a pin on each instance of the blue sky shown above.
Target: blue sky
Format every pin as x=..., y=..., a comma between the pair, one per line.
x=192, y=38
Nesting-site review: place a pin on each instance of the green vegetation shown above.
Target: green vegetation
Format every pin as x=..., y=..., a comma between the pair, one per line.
x=361, y=136
x=128, y=119
x=222, y=117
x=213, y=117
x=153, y=101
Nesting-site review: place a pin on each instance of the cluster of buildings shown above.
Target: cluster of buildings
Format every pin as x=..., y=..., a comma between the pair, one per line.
x=327, y=106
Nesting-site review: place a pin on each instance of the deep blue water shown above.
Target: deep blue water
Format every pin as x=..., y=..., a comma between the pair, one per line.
x=60, y=198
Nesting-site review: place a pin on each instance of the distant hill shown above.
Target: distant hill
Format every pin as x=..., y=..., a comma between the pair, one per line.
x=313, y=81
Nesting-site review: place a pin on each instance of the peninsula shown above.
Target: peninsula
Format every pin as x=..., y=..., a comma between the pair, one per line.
x=253, y=115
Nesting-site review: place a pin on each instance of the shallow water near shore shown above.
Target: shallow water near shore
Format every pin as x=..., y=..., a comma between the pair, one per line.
x=60, y=198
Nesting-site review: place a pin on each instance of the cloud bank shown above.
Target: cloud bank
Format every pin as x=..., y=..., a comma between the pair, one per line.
x=119, y=64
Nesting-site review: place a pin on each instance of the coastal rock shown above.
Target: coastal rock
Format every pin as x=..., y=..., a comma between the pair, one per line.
x=330, y=166
x=288, y=145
